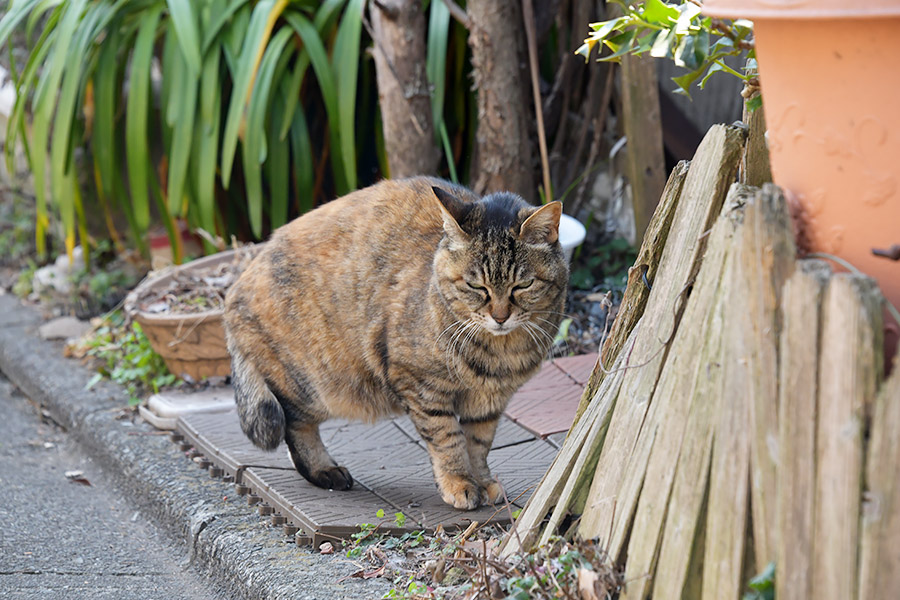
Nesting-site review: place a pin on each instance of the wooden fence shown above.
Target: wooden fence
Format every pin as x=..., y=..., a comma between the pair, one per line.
x=738, y=415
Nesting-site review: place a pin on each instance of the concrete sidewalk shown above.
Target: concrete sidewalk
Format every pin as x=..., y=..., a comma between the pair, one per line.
x=222, y=535
x=68, y=533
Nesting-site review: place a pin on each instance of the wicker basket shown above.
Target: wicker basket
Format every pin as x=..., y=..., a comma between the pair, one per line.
x=192, y=345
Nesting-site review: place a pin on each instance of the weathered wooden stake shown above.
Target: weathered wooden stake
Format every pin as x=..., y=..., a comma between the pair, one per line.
x=798, y=376
x=879, y=572
x=711, y=172
x=849, y=366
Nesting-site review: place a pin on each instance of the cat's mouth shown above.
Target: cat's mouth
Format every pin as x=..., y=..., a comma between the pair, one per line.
x=504, y=328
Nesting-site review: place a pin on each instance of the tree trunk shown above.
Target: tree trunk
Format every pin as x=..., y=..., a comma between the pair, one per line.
x=502, y=147
x=398, y=29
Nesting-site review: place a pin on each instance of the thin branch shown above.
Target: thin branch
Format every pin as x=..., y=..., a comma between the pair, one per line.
x=458, y=13
x=531, y=37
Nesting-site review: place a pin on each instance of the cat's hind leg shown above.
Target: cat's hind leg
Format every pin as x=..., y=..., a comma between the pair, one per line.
x=310, y=457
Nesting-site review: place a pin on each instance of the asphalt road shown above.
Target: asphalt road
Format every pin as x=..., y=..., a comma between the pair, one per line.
x=62, y=539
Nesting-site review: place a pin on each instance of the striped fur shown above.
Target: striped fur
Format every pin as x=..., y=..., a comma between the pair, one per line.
x=410, y=296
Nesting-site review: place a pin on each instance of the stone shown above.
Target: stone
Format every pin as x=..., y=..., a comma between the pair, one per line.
x=63, y=328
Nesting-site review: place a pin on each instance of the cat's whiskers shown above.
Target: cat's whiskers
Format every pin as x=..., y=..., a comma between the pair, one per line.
x=544, y=340
x=555, y=326
x=526, y=327
x=453, y=355
x=553, y=312
x=457, y=323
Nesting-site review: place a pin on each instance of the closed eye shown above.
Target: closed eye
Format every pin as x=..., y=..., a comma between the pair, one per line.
x=475, y=286
x=523, y=285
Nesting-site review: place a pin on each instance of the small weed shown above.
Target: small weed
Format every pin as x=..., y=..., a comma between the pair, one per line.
x=124, y=355
x=16, y=229
x=23, y=285
x=607, y=264
x=369, y=534
x=762, y=587
x=410, y=591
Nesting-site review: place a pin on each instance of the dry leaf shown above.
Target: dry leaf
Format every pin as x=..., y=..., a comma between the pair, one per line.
x=587, y=584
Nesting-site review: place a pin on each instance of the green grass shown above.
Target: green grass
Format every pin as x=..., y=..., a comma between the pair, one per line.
x=123, y=355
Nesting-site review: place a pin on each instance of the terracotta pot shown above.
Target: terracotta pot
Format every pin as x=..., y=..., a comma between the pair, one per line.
x=192, y=345
x=829, y=83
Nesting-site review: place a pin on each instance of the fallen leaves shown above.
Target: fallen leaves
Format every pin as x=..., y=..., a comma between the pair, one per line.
x=77, y=477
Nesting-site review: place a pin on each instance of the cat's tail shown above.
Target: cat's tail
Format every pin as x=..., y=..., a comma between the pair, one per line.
x=260, y=413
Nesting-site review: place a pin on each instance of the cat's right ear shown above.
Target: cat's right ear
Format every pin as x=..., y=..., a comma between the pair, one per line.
x=452, y=211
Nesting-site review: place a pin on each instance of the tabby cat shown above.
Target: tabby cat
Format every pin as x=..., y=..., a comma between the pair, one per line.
x=411, y=296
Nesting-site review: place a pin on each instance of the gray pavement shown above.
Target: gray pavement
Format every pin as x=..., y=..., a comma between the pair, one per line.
x=65, y=539
x=192, y=537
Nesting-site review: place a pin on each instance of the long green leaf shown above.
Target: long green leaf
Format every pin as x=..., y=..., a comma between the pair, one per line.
x=44, y=103
x=136, y=150
x=220, y=15
x=445, y=142
x=346, y=67
x=185, y=23
x=261, y=23
x=327, y=14
x=13, y=17
x=207, y=140
x=35, y=17
x=180, y=149
x=61, y=144
x=322, y=68
x=254, y=148
x=103, y=141
x=232, y=39
x=301, y=153
x=292, y=95
x=277, y=171
x=210, y=93
x=173, y=68
x=24, y=84
x=436, y=58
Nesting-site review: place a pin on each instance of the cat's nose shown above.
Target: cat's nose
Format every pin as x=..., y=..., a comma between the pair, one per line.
x=501, y=319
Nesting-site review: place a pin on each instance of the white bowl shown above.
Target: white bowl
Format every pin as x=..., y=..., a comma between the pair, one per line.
x=571, y=234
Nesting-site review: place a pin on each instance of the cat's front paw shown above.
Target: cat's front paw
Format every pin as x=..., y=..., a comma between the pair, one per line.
x=493, y=492
x=460, y=492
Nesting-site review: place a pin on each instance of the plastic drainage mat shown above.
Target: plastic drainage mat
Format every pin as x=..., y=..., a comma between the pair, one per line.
x=389, y=464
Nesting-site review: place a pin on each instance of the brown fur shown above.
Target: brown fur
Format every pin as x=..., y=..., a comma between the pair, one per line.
x=364, y=308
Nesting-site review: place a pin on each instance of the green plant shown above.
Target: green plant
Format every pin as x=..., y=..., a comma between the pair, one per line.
x=681, y=33
x=124, y=356
x=369, y=534
x=23, y=285
x=411, y=589
x=762, y=586
x=607, y=264
x=230, y=71
x=16, y=231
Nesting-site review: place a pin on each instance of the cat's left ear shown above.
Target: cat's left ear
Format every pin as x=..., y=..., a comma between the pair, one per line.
x=542, y=226
x=452, y=211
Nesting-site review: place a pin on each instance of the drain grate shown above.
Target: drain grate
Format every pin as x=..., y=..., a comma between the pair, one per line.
x=389, y=464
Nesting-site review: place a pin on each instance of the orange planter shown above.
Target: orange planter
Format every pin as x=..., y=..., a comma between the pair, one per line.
x=831, y=88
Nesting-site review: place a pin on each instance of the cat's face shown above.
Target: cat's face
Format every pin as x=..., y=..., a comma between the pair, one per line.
x=500, y=266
